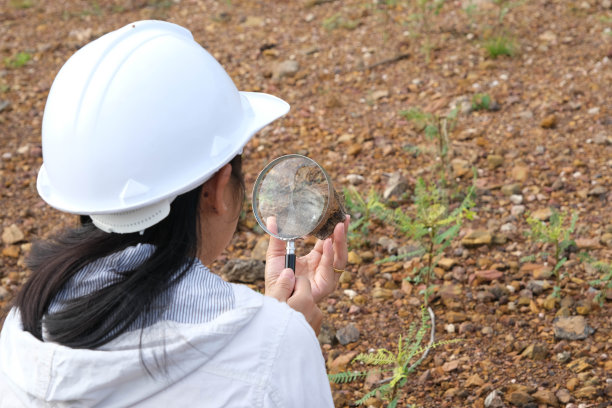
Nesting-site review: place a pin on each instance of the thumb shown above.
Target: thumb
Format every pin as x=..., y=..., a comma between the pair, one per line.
x=282, y=288
x=276, y=246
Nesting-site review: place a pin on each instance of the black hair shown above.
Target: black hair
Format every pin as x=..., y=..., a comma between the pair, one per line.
x=98, y=317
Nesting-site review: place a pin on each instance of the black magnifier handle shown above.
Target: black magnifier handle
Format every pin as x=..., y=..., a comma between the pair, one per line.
x=290, y=256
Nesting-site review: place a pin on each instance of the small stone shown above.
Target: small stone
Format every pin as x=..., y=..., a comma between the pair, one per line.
x=597, y=191
x=489, y=275
x=389, y=244
x=253, y=21
x=383, y=93
x=546, y=397
x=535, y=352
x=347, y=334
x=508, y=228
x=3, y=293
x=460, y=167
x=586, y=392
x=260, y=249
x=12, y=234
x=449, y=291
x=510, y=189
x=583, y=308
x=579, y=365
x=538, y=272
x=519, y=398
x=241, y=270
x=373, y=377
x=366, y=256
x=396, y=186
x=549, y=122
x=542, y=214
x=354, y=309
x=446, y=263
x=494, y=400
x=572, y=383
x=11, y=251
x=354, y=258
x=455, y=317
x=466, y=327
x=474, y=381
x=563, y=395
x=450, y=366
x=423, y=378
x=354, y=149
x=587, y=243
x=477, y=238
x=517, y=210
x=550, y=303
x=339, y=363
x=516, y=199
x=355, y=179
x=286, y=68
x=572, y=328
x=360, y=300
x=346, y=277
x=449, y=328
x=381, y=293
x=495, y=160
x=350, y=293
x=520, y=173
x=327, y=335
x=563, y=357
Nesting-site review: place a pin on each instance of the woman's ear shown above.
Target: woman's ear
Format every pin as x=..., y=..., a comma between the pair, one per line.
x=213, y=190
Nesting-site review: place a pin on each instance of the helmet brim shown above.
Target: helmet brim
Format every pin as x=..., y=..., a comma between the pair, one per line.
x=265, y=109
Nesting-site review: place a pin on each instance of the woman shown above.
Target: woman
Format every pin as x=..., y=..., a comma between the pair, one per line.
x=143, y=132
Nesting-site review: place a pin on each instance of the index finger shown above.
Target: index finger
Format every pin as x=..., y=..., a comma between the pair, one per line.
x=340, y=244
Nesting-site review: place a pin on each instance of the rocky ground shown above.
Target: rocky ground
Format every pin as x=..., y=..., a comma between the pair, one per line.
x=348, y=68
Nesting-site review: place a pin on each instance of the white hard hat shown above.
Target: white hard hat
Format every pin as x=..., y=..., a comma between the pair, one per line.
x=137, y=117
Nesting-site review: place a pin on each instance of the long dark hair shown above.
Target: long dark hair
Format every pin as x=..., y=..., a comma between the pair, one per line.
x=100, y=316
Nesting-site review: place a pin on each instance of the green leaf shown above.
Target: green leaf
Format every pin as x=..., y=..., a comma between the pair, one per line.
x=449, y=234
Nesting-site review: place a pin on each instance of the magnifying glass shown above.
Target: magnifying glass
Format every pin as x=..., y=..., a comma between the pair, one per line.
x=293, y=197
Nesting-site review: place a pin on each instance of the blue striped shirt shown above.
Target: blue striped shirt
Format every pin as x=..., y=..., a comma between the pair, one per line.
x=199, y=297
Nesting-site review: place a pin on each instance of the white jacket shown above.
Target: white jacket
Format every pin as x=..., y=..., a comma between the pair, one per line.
x=261, y=353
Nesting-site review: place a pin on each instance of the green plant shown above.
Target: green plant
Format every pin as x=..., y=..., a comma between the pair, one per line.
x=400, y=365
x=22, y=4
x=504, y=7
x=18, y=60
x=361, y=210
x=557, y=234
x=604, y=282
x=338, y=21
x=470, y=10
x=481, y=102
x=500, y=45
x=436, y=128
x=426, y=10
x=433, y=225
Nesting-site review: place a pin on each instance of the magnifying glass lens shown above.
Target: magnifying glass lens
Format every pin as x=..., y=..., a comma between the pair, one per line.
x=294, y=190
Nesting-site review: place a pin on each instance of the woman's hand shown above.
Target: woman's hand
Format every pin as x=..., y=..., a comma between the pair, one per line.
x=296, y=291
x=318, y=266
